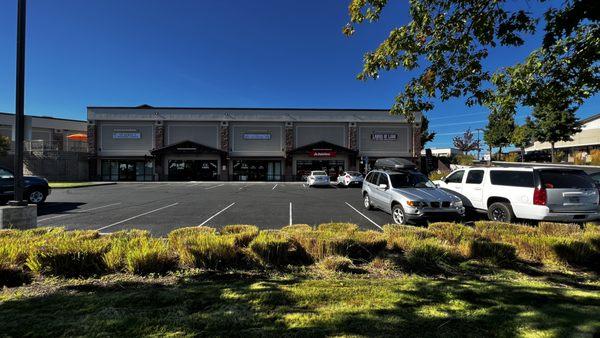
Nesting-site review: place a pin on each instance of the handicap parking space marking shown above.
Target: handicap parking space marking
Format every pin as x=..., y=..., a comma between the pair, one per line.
x=217, y=214
x=363, y=215
x=77, y=212
x=137, y=216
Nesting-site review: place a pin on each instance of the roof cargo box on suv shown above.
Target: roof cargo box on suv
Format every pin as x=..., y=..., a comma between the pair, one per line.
x=394, y=164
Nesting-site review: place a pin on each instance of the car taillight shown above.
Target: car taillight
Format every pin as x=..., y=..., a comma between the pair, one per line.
x=540, y=196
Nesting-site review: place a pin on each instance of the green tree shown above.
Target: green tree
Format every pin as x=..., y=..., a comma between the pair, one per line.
x=521, y=137
x=4, y=145
x=466, y=142
x=552, y=125
x=501, y=124
x=426, y=135
x=447, y=40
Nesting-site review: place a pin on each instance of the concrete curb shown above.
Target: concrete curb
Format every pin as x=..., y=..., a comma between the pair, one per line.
x=85, y=186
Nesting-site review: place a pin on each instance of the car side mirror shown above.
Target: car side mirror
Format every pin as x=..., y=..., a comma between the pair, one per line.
x=383, y=186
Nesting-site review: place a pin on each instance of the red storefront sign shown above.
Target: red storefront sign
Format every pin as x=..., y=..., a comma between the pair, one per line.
x=322, y=153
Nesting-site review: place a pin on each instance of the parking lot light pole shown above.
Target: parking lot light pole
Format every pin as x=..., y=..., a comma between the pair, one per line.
x=20, y=105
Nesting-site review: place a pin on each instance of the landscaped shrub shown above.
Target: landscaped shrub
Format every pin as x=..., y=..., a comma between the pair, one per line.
x=209, y=251
x=149, y=255
x=511, y=157
x=401, y=237
x=463, y=159
x=595, y=157
x=451, y=233
x=278, y=249
x=366, y=245
x=68, y=257
x=338, y=227
x=437, y=175
x=243, y=234
x=499, y=253
x=336, y=263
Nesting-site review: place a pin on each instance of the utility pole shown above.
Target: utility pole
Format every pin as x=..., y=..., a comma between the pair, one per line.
x=20, y=104
x=478, y=143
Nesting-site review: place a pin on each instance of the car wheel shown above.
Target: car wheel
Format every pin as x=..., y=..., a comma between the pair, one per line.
x=367, y=202
x=398, y=214
x=501, y=212
x=36, y=197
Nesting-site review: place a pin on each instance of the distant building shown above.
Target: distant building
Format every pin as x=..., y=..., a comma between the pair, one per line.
x=442, y=152
x=241, y=144
x=585, y=141
x=46, y=133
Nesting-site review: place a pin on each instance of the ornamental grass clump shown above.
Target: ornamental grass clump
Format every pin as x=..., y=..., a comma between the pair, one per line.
x=452, y=233
x=146, y=255
x=179, y=235
x=68, y=256
x=276, y=248
x=242, y=233
x=208, y=250
x=297, y=228
x=338, y=227
x=429, y=255
x=496, y=252
x=559, y=229
x=336, y=264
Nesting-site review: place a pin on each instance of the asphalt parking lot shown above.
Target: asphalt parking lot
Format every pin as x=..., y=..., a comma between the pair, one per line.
x=163, y=206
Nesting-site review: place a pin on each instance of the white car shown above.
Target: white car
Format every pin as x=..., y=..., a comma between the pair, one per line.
x=534, y=193
x=348, y=178
x=318, y=178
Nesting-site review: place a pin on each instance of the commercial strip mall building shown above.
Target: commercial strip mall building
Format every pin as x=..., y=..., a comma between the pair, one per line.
x=241, y=144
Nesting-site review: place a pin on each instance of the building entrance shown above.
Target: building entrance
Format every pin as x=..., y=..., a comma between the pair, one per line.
x=193, y=170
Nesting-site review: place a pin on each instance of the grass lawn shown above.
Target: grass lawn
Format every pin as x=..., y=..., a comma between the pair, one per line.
x=66, y=185
x=481, y=301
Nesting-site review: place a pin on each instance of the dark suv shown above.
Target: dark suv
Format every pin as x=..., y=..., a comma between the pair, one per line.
x=36, y=188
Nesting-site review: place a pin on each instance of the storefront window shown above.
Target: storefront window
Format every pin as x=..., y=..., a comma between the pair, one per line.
x=256, y=170
x=193, y=170
x=332, y=167
x=127, y=170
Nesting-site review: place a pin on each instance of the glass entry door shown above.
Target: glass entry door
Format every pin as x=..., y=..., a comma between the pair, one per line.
x=193, y=170
x=256, y=170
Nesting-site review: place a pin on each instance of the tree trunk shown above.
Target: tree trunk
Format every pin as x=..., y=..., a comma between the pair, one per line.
x=500, y=153
x=522, y=154
x=490, y=157
x=552, y=152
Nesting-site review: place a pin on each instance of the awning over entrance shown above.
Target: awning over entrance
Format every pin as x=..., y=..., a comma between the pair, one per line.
x=323, y=149
x=187, y=147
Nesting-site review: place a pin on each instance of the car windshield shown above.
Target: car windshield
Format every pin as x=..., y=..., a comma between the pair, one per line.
x=410, y=180
x=319, y=173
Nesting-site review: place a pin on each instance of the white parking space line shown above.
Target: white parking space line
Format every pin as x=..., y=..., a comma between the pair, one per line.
x=290, y=213
x=275, y=186
x=243, y=187
x=215, y=215
x=214, y=186
x=363, y=215
x=78, y=212
x=137, y=216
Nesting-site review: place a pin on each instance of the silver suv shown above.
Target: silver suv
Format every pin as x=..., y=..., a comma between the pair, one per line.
x=408, y=195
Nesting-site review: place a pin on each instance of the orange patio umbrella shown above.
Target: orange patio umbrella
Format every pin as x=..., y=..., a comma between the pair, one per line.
x=77, y=137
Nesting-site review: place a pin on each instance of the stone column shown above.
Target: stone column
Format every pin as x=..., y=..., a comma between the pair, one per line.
x=352, y=144
x=224, y=144
x=159, y=142
x=92, y=130
x=288, y=173
x=416, y=146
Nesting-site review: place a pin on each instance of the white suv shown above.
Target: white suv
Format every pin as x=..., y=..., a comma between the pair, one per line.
x=535, y=193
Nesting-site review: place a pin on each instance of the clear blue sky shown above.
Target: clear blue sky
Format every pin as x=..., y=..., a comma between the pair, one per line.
x=212, y=54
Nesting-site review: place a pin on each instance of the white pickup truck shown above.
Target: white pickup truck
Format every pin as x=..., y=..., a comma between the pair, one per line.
x=534, y=193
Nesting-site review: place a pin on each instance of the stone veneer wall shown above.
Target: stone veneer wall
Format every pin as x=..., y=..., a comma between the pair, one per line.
x=289, y=146
x=224, y=144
